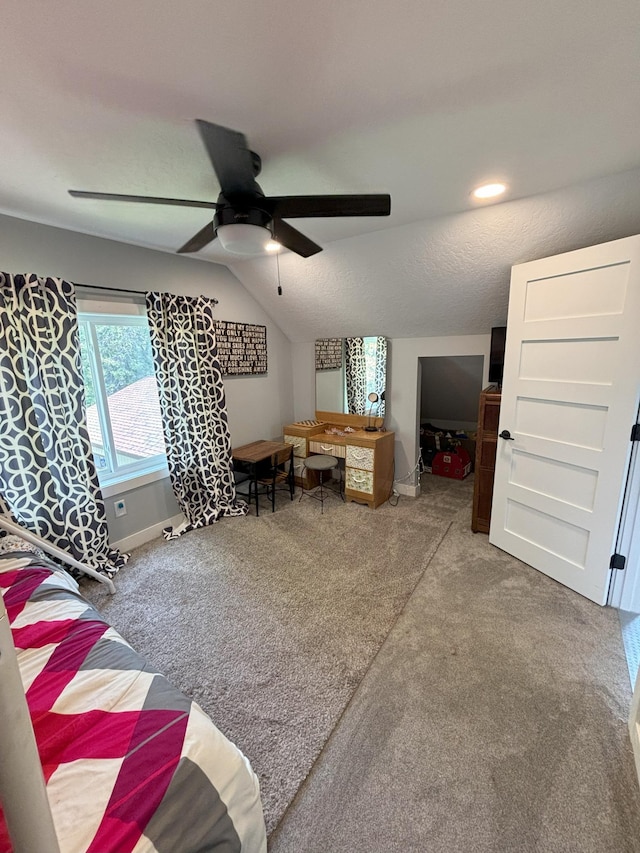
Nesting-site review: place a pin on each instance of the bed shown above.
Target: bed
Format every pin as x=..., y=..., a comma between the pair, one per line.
x=130, y=763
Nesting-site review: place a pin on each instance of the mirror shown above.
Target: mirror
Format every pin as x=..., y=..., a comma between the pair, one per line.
x=349, y=373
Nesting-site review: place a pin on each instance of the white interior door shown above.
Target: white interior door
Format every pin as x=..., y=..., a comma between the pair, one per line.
x=569, y=399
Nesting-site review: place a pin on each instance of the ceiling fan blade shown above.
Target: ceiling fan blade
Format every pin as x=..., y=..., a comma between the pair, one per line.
x=147, y=199
x=233, y=163
x=199, y=240
x=301, y=206
x=292, y=239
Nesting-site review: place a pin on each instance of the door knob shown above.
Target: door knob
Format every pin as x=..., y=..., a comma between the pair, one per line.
x=506, y=435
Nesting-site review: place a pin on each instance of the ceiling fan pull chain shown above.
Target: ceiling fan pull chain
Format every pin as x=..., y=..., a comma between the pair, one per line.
x=278, y=268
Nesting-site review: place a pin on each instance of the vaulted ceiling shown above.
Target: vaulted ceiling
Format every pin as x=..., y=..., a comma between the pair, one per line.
x=423, y=100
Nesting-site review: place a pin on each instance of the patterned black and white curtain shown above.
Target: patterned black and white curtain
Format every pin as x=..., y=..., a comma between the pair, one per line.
x=355, y=376
x=194, y=415
x=47, y=475
x=381, y=375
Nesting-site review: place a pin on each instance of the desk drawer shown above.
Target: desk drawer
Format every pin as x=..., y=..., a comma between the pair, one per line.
x=327, y=448
x=299, y=444
x=359, y=481
x=360, y=457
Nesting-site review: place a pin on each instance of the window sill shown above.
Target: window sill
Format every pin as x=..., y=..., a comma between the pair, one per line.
x=134, y=481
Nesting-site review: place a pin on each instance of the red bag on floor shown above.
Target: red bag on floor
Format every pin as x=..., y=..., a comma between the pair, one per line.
x=455, y=464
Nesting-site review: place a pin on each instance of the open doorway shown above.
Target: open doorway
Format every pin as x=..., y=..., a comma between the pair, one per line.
x=449, y=391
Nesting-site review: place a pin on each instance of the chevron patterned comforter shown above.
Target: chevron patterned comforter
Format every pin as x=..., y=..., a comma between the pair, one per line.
x=130, y=763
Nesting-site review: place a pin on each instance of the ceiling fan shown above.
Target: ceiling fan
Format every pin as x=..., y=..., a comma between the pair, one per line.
x=245, y=219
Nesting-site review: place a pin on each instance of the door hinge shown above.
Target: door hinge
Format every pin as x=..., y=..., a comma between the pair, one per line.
x=635, y=432
x=617, y=561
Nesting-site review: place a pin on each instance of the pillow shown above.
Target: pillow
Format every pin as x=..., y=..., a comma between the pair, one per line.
x=11, y=542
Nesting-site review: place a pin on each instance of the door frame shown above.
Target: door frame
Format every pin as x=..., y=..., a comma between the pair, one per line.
x=624, y=589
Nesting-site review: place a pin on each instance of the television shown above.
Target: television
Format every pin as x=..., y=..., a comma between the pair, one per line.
x=496, y=354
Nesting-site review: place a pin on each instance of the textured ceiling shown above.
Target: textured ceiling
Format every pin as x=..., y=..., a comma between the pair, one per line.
x=443, y=276
x=419, y=99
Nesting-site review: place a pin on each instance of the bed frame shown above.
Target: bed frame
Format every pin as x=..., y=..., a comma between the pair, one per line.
x=11, y=527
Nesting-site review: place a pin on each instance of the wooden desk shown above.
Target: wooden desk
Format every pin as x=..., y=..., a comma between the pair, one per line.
x=368, y=456
x=251, y=455
x=257, y=451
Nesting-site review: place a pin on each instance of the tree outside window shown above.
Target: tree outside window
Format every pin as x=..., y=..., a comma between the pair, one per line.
x=123, y=410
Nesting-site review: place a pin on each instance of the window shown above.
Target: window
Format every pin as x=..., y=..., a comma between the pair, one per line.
x=123, y=410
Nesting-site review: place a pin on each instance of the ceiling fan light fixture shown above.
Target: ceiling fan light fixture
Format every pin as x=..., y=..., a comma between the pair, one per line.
x=246, y=220
x=488, y=191
x=242, y=238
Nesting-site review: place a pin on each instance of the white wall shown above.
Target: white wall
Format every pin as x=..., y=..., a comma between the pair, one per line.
x=257, y=406
x=303, y=356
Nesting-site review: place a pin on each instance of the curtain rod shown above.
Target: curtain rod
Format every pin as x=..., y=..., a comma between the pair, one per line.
x=123, y=290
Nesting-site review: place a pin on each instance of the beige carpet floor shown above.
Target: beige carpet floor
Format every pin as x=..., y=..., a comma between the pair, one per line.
x=492, y=720
x=270, y=623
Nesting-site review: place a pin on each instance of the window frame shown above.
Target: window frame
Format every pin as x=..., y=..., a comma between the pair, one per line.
x=117, y=478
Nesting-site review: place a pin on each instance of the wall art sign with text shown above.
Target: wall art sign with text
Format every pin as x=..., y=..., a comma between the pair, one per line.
x=329, y=354
x=242, y=348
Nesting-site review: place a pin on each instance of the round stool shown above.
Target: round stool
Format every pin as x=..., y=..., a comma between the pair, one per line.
x=319, y=463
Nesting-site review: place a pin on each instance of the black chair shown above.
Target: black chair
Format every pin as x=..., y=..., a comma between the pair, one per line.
x=281, y=476
x=245, y=487
x=273, y=475
x=239, y=476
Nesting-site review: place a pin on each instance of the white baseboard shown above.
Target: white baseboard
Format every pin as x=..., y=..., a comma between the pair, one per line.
x=405, y=489
x=146, y=535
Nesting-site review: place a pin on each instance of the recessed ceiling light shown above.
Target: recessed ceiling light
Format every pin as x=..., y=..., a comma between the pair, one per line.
x=488, y=191
x=273, y=246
